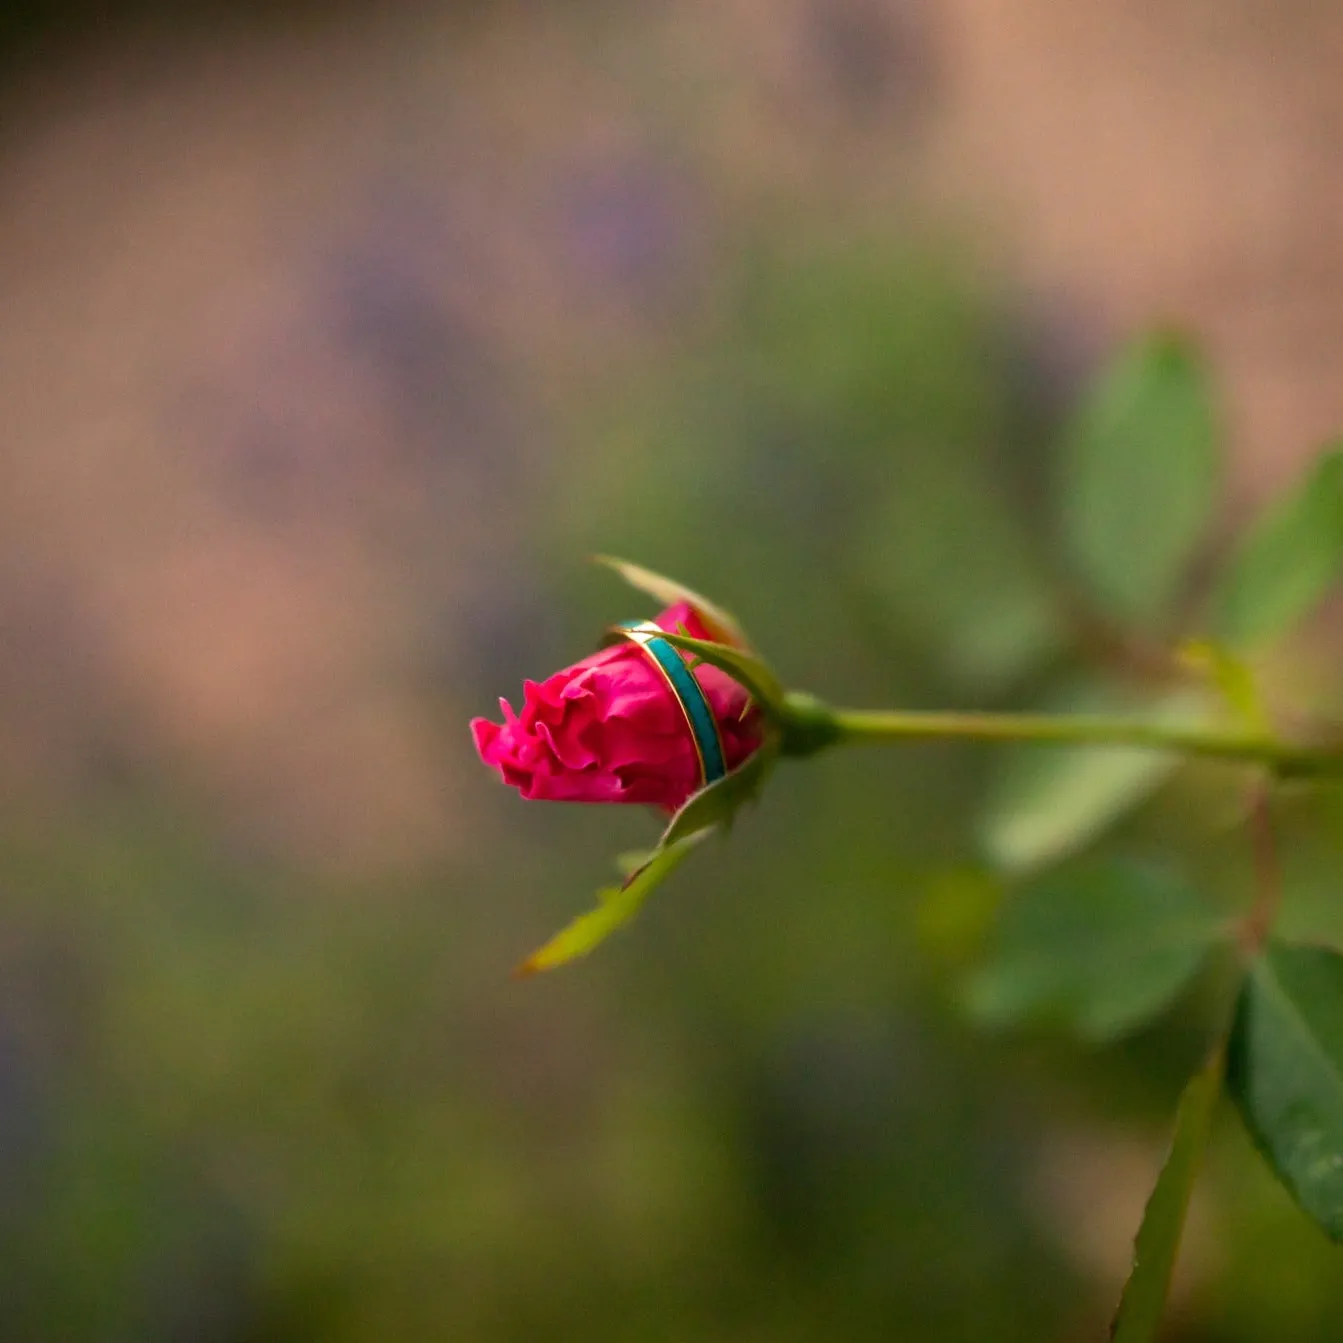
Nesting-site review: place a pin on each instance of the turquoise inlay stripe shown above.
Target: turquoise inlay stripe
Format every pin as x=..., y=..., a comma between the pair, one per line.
x=690, y=696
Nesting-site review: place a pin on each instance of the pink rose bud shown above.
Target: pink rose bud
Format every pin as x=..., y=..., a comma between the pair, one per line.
x=611, y=728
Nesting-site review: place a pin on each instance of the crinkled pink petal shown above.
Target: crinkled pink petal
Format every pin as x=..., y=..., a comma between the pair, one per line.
x=486, y=736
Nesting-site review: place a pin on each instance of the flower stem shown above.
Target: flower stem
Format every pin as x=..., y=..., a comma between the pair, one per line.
x=855, y=726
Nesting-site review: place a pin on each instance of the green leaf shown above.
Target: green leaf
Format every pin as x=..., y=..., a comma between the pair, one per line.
x=1099, y=950
x=1140, y=476
x=616, y=906
x=745, y=668
x=668, y=591
x=1285, y=1073
x=720, y=801
x=1045, y=802
x=1286, y=563
x=1139, y=1315
x=950, y=560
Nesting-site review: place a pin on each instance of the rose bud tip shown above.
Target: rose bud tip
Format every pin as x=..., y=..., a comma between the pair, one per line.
x=625, y=724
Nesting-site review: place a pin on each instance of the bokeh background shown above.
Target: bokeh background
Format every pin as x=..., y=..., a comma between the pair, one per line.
x=332, y=339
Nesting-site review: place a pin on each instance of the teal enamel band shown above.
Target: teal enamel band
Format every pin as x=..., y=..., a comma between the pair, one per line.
x=689, y=694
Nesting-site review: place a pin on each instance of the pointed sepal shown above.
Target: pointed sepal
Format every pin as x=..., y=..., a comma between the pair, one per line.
x=616, y=906
x=669, y=592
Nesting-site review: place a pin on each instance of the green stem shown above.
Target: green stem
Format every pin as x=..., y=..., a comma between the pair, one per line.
x=855, y=726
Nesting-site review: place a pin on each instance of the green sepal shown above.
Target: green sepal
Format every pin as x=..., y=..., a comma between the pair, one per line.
x=719, y=803
x=668, y=591
x=616, y=905
x=806, y=725
x=745, y=668
x=629, y=862
x=698, y=817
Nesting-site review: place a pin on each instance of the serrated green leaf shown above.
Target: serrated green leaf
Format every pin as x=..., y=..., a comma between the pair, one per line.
x=1045, y=802
x=720, y=801
x=668, y=591
x=950, y=560
x=745, y=668
x=1140, y=474
x=1097, y=951
x=1138, y=1317
x=616, y=906
x=1285, y=1073
x=1286, y=563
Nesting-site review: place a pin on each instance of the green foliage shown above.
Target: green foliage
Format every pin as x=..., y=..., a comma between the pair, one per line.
x=1138, y=1319
x=950, y=557
x=1287, y=561
x=1285, y=1072
x=854, y=400
x=1100, y=949
x=1045, y=802
x=1140, y=472
x=871, y=342
x=947, y=557
x=1105, y=946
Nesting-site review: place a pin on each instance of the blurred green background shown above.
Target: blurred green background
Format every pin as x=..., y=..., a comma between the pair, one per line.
x=332, y=344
